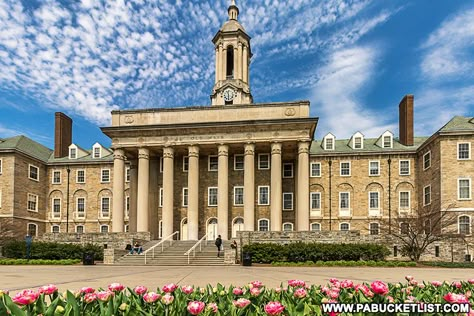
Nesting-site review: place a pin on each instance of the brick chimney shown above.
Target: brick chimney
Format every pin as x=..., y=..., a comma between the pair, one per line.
x=62, y=134
x=406, y=120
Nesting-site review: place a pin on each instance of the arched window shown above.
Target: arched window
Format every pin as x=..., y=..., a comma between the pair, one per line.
x=315, y=227
x=230, y=63
x=344, y=226
x=32, y=229
x=287, y=227
x=263, y=225
x=55, y=229
x=464, y=224
x=374, y=228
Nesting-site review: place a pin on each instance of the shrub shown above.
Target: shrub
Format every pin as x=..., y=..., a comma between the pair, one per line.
x=51, y=250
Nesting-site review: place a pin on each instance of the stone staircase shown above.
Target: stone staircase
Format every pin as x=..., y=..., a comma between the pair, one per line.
x=174, y=255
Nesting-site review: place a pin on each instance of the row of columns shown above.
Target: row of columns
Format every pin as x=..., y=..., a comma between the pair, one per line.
x=241, y=62
x=139, y=187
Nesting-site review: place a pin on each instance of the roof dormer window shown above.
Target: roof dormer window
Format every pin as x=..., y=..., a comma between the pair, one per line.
x=386, y=140
x=97, y=151
x=329, y=141
x=357, y=141
x=73, y=152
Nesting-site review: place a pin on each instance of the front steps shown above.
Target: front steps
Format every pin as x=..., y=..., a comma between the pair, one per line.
x=174, y=255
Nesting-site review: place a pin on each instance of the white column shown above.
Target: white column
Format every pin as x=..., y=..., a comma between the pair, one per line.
x=302, y=212
x=223, y=53
x=118, y=191
x=223, y=192
x=236, y=64
x=143, y=189
x=239, y=61
x=276, y=188
x=168, y=171
x=249, y=187
x=217, y=64
x=193, y=193
x=245, y=66
x=132, y=222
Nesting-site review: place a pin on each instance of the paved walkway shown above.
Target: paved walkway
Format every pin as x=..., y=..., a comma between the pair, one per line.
x=15, y=278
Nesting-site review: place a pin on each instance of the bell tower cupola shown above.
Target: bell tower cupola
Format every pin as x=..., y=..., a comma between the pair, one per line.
x=233, y=53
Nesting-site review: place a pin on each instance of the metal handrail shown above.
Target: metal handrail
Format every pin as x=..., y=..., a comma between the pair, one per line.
x=193, y=248
x=162, y=243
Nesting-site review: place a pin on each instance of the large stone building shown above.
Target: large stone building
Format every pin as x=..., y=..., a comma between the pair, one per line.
x=233, y=166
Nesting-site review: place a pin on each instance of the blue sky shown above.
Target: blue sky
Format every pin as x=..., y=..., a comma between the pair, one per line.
x=354, y=60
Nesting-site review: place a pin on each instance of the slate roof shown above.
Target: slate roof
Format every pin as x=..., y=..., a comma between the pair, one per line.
x=27, y=146
x=459, y=124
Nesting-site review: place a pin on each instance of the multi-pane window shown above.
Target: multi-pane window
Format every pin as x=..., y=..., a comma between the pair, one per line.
x=357, y=142
x=464, y=225
x=96, y=152
x=427, y=227
x=32, y=202
x=404, y=197
x=238, y=195
x=238, y=162
x=80, y=229
x=55, y=229
x=72, y=153
x=464, y=189
x=127, y=206
x=263, y=195
x=105, y=175
x=263, y=161
x=105, y=206
x=345, y=169
x=287, y=227
x=315, y=200
x=344, y=200
x=315, y=227
x=374, y=228
x=374, y=168
x=464, y=151
x=315, y=169
x=81, y=207
x=427, y=160
x=427, y=195
x=185, y=163
x=160, y=198
x=329, y=143
x=404, y=167
x=185, y=196
x=287, y=170
x=212, y=196
x=344, y=226
x=56, y=177
x=127, y=174
x=263, y=225
x=213, y=163
x=374, y=200
x=387, y=142
x=56, y=208
x=32, y=229
x=287, y=201
x=33, y=172
x=404, y=228
x=81, y=176
x=104, y=229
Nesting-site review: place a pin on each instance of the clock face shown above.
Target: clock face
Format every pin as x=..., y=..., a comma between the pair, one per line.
x=228, y=94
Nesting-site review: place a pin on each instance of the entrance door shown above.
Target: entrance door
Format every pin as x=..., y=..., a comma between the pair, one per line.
x=184, y=229
x=212, y=229
x=237, y=226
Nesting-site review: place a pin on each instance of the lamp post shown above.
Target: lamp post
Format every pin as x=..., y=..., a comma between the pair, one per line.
x=67, y=200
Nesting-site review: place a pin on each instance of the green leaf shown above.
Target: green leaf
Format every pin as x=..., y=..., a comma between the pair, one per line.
x=72, y=301
x=14, y=309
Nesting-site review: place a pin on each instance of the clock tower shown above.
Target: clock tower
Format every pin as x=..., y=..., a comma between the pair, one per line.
x=232, y=47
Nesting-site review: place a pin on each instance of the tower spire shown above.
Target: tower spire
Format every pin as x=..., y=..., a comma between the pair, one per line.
x=233, y=11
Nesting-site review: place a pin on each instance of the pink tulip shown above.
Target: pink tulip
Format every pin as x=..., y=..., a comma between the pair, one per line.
x=300, y=293
x=187, y=289
x=25, y=297
x=379, y=287
x=212, y=307
x=151, y=297
x=471, y=281
x=167, y=299
x=346, y=284
x=90, y=297
x=140, y=289
x=237, y=291
x=324, y=289
x=116, y=287
x=196, y=307
x=333, y=280
x=278, y=290
x=255, y=291
x=105, y=296
x=455, y=298
x=421, y=286
x=390, y=299
x=169, y=288
x=241, y=302
x=436, y=283
x=409, y=277
x=87, y=290
x=256, y=284
x=274, y=308
x=413, y=282
x=296, y=283
x=457, y=284
x=48, y=289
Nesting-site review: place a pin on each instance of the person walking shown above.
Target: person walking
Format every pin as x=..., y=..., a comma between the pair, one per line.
x=218, y=245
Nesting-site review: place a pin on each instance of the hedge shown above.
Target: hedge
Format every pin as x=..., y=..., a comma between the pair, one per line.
x=302, y=252
x=361, y=263
x=51, y=250
x=38, y=262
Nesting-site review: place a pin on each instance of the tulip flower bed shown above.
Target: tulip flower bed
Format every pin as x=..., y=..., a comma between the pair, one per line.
x=295, y=298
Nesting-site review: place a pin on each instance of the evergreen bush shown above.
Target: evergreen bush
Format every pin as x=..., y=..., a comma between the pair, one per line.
x=51, y=250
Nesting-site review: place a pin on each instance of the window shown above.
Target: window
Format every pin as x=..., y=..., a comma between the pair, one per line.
x=287, y=170
x=315, y=227
x=374, y=168
x=287, y=201
x=127, y=174
x=238, y=195
x=315, y=200
x=97, y=152
x=263, y=225
x=33, y=172
x=374, y=228
x=263, y=161
x=288, y=227
x=344, y=226
x=104, y=229
x=32, y=202
x=32, y=229
x=404, y=228
x=56, y=208
x=238, y=162
x=374, y=200
x=0, y=198
x=464, y=151
x=126, y=228
x=127, y=206
x=212, y=196
x=464, y=225
x=357, y=142
x=80, y=229
x=72, y=153
x=329, y=143
x=56, y=177
x=464, y=189
x=345, y=168
x=81, y=207
x=427, y=227
x=105, y=175
x=404, y=200
x=427, y=160
x=161, y=164
x=387, y=141
x=344, y=200
x=404, y=167
x=105, y=206
x=315, y=169
x=1, y=166
x=55, y=229
x=160, y=229
x=81, y=176
x=427, y=195
x=185, y=163
x=213, y=163
x=185, y=196
x=160, y=203
x=264, y=195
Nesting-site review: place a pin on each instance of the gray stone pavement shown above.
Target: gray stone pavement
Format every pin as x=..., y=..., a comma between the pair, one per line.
x=15, y=278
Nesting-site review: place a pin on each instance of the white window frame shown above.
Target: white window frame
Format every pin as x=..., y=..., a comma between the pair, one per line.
x=185, y=195
x=400, y=200
x=346, y=209
x=383, y=141
x=94, y=152
x=53, y=178
x=161, y=164
x=378, y=168
x=291, y=170
x=259, y=194
x=470, y=224
x=314, y=230
x=370, y=228
x=102, y=206
x=83, y=229
x=102, y=175
x=400, y=167
x=30, y=166
x=28, y=229
x=283, y=201
x=235, y=196
x=260, y=161
x=160, y=197
x=424, y=195
x=209, y=163
x=100, y=229
x=77, y=207
x=345, y=230
x=320, y=171
x=459, y=189
x=73, y=152
x=53, y=205
x=235, y=162
x=340, y=169
x=28, y=195
x=77, y=175
x=429, y=161
x=209, y=196
x=468, y=150
x=127, y=174
x=378, y=201
x=52, y=229
x=326, y=142
x=287, y=223
x=185, y=163
x=311, y=201
x=354, y=144
x=268, y=224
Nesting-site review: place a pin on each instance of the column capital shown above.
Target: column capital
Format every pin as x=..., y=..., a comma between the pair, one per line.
x=303, y=147
x=168, y=152
x=249, y=149
x=239, y=44
x=276, y=148
x=223, y=150
x=143, y=153
x=193, y=151
x=119, y=153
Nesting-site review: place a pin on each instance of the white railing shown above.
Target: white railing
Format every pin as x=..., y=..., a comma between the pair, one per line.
x=162, y=243
x=193, y=248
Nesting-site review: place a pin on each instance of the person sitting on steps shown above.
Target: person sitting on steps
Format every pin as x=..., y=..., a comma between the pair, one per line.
x=137, y=248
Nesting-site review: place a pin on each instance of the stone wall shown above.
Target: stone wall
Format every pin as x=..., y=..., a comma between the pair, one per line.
x=109, y=241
